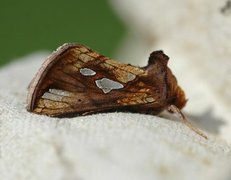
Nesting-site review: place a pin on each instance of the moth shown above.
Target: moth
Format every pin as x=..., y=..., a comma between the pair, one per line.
x=76, y=80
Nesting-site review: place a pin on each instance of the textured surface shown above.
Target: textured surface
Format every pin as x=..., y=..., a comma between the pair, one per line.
x=104, y=146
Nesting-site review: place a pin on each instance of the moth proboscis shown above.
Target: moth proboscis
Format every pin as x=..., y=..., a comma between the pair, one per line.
x=75, y=80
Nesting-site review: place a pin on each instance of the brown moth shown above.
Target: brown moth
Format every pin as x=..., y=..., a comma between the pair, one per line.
x=77, y=80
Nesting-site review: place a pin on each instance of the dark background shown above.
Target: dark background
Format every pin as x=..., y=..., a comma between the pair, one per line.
x=28, y=26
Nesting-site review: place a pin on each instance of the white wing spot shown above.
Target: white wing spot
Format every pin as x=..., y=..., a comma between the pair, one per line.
x=107, y=85
x=59, y=92
x=52, y=97
x=130, y=77
x=150, y=99
x=87, y=72
x=55, y=94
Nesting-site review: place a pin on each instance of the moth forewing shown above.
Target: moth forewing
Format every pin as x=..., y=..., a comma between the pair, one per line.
x=93, y=74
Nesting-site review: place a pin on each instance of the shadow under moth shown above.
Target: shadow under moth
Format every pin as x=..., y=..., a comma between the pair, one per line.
x=76, y=80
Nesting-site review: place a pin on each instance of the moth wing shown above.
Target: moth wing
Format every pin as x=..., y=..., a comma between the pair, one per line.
x=76, y=79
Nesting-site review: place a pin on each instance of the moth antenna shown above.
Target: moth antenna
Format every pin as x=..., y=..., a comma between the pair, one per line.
x=174, y=109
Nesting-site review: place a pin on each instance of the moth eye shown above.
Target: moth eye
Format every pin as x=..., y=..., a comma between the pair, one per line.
x=107, y=85
x=87, y=72
x=79, y=100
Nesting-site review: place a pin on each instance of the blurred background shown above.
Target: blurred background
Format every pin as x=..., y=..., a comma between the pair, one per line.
x=29, y=26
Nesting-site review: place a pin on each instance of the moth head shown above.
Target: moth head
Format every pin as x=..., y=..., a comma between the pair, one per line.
x=175, y=95
x=179, y=99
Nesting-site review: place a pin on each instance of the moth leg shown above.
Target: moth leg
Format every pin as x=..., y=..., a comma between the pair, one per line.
x=174, y=109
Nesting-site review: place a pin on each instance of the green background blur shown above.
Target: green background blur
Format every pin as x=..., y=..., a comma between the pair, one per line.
x=28, y=26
